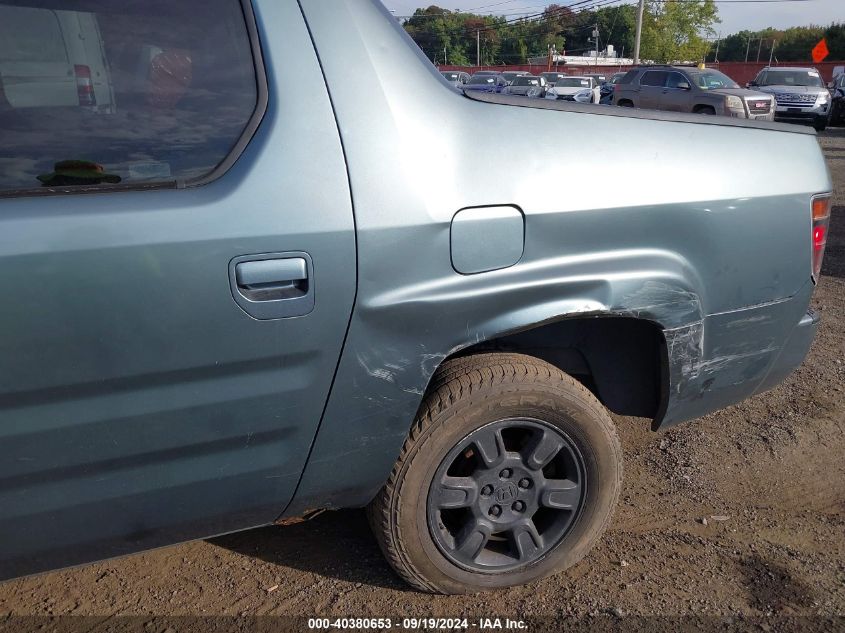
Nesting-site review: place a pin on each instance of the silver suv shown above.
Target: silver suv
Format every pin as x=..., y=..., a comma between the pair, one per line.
x=800, y=94
x=691, y=89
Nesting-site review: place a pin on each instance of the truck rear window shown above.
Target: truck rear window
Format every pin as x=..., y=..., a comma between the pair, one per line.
x=107, y=93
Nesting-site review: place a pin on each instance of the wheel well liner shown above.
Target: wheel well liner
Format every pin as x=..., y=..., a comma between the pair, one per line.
x=622, y=360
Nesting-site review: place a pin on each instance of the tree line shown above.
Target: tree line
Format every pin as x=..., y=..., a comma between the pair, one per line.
x=785, y=45
x=672, y=31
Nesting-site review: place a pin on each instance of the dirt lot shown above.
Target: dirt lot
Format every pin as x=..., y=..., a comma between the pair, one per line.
x=768, y=476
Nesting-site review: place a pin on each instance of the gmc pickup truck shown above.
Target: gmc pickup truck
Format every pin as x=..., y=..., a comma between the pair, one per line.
x=270, y=279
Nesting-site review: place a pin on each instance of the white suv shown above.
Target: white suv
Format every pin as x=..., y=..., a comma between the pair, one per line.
x=800, y=94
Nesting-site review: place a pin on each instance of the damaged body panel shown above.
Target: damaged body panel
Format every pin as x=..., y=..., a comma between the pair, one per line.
x=713, y=250
x=192, y=352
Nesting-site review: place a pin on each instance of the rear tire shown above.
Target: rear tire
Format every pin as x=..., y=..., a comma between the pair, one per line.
x=538, y=468
x=705, y=110
x=626, y=104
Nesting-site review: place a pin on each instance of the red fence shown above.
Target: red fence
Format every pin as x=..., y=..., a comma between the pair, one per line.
x=740, y=72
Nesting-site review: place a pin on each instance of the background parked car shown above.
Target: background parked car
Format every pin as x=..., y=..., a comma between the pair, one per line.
x=552, y=77
x=606, y=88
x=527, y=86
x=485, y=83
x=510, y=75
x=574, y=88
x=837, y=106
x=691, y=89
x=455, y=77
x=599, y=77
x=800, y=93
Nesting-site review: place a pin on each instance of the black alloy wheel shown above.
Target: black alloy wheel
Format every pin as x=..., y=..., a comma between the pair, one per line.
x=510, y=473
x=505, y=495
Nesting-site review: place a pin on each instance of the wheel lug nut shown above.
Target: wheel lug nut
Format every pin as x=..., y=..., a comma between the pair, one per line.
x=487, y=490
x=495, y=511
x=525, y=483
x=505, y=473
x=518, y=506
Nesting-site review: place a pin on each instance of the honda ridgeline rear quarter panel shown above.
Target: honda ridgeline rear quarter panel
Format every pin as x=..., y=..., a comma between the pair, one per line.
x=703, y=229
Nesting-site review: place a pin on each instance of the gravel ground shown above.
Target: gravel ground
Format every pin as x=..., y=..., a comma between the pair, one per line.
x=740, y=514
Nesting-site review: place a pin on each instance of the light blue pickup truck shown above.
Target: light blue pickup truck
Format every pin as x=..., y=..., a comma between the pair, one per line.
x=248, y=276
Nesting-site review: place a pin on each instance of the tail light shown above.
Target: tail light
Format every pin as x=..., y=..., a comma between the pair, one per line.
x=821, y=222
x=84, y=85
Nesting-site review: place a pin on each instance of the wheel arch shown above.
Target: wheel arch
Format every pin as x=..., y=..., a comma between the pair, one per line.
x=583, y=327
x=622, y=360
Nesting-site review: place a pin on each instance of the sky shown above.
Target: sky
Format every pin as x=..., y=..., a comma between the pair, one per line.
x=735, y=16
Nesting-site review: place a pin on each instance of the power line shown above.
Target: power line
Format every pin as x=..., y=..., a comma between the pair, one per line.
x=728, y=1
x=539, y=14
x=560, y=9
x=490, y=5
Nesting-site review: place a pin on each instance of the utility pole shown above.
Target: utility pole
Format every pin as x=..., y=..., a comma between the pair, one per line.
x=759, y=48
x=772, y=51
x=478, y=48
x=639, y=34
x=445, y=60
x=596, y=36
x=719, y=41
x=747, y=48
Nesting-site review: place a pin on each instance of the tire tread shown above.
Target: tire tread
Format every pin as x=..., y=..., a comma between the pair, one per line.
x=455, y=380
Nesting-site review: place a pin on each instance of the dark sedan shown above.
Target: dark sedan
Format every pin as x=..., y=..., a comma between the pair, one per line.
x=837, y=93
x=607, y=88
x=527, y=86
x=486, y=83
x=455, y=76
x=510, y=75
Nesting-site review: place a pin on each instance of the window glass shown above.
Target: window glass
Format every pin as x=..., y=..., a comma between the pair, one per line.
x=130, y=92
x=654, y=78
x=790, y=78
x=675, y=79
x=713, y=80
x=573, y=82
x=628, y=77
